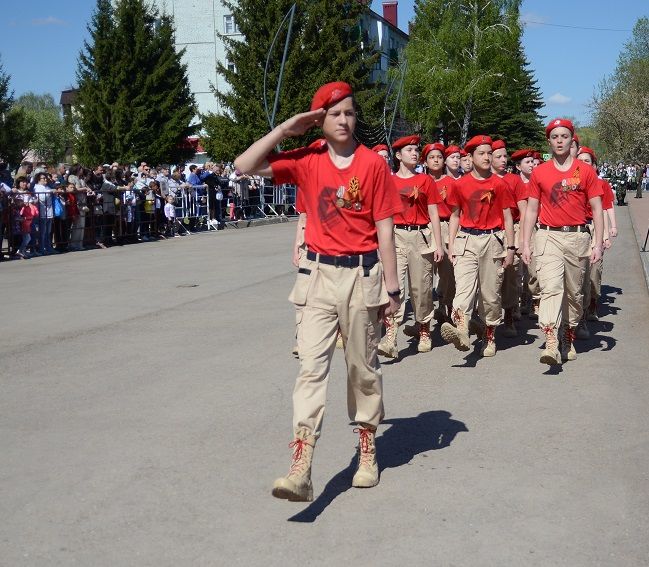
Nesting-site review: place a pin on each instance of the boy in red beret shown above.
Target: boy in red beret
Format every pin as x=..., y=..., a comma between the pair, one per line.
x=349, y=199
x=481, y=204
x=416, y=250
x=562, y=245
x=511, y=291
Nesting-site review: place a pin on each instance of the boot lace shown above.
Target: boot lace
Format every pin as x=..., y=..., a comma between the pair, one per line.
x=489, y=334
x=550, y=337
x=390, y=328
x=458, y=317
x=424, y=331
x=366, y=445
x=569, y=335
x=297, y=466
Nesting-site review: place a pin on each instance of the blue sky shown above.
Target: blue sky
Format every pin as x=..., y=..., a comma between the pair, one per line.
x=40, y=42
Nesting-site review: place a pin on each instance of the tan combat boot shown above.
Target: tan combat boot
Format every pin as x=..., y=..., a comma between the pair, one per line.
x=551, y=354
x=425, y=344
x=510, y=328
x=457, y=334
x=367, y=473
x=568, y=351
x=489, y=347
x=388, y=346
x=296, y=485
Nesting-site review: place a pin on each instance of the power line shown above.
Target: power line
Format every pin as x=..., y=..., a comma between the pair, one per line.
x=572, y=27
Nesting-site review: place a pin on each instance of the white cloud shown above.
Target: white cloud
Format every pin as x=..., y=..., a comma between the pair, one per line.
x=49, y=21
x=558, y=98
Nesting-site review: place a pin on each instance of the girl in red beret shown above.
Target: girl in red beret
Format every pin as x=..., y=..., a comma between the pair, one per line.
x=480, y=203
x=349, y=199
x=563, y=187
x=416, y=250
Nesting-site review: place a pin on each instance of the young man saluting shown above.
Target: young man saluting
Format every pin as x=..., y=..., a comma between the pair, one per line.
x=349, y=200
x=564, y=186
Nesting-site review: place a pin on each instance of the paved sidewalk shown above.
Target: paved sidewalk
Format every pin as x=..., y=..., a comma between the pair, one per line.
x=639, y=211
x=146, y=410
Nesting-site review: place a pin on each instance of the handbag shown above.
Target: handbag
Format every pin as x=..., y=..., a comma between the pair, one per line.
x=58, y=206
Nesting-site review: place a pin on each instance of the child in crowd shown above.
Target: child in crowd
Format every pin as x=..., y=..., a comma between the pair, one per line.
x=27, y=212
x=170, y=215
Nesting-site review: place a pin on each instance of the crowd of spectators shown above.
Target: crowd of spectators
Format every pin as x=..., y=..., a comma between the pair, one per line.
x=49, y=210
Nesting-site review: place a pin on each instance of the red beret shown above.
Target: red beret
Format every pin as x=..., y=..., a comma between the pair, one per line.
x=498, y=145
x=380, y=147
x=521, y=154
x=559, y=123
x=406, y=141
x=587, y=150
x=476, y=141
x=429, y=148
x=330, y=94
x=537, y=155
x=463, y=152
x=452, y=150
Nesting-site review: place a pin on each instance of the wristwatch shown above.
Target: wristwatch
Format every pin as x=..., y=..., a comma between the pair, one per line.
x=511, y=248
x=394, y=293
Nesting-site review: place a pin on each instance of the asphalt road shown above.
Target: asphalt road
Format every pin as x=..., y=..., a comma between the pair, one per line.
x=146, y=410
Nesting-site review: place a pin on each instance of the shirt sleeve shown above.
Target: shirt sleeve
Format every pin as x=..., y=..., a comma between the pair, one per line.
x=386, y=201
x=431, y=190
x=520, y=189
x=533, y=187
x=453, y=198
x=607, y=195
x=286, y=166
x=593, y=187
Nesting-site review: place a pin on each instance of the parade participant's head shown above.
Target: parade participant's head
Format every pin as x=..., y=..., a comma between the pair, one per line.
x=452, y=160
x=574, y=146
x=433, y=157
x=559, y=133
x=406, y=152
x=524, y=161
x=480, y=149
x=466, y=161
x=339, y=122
x=538, y=159
x=499, y=157
x=587, y=155
x=383, y=151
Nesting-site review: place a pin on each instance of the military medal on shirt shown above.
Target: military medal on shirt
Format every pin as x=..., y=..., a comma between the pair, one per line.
x=349, y=197
x=571, y=184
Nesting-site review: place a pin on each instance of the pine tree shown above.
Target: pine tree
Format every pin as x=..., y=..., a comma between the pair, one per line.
x=324, y=47
x=13, y=132
x=134, y=101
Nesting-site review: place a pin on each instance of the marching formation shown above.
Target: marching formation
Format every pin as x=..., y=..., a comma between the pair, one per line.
x=499, y=242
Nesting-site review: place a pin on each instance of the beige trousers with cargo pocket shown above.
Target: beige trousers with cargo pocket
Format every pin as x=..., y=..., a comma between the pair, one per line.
x=331, y=297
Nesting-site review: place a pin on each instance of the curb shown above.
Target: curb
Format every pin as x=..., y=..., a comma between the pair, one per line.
x=644, y=256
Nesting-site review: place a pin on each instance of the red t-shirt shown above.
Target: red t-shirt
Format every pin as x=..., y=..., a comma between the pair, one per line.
x=607, y=198
x=481, y=201
x=564, y=195
x=444, y=184
x=366, y=184
x=416, y=193
x=517, y=190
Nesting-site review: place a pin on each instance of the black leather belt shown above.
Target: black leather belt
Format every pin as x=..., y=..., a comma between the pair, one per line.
x=410, y=227
x=444, y=219
x=366, y=260
x=478, y=231
x=567, y=228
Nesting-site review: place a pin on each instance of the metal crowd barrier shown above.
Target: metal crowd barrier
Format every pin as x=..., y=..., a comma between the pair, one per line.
x=123, y=215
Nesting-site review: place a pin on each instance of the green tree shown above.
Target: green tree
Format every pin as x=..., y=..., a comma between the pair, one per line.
x=325, y=46
x=134, y=101
x=46, y=134
x=12, y=124
x=621, y=105
x=461, y=72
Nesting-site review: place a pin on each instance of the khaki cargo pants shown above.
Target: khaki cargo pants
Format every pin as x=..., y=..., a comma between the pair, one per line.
x=561, y=262
x=592, y=287
x=479, y=273
x=445, y=275
x=414, y=258
x=512, y=279
x=331, y=297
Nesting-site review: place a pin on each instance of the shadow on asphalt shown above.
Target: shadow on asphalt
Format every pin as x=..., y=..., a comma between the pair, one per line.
x=395, y=447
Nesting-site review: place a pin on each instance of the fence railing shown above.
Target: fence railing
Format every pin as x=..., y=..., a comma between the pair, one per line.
x=60, y=220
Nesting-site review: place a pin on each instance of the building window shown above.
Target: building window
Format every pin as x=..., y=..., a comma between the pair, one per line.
x=229, y=25
x=230, y=66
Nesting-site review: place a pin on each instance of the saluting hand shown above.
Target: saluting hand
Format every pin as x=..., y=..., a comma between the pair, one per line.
x=301, y=123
